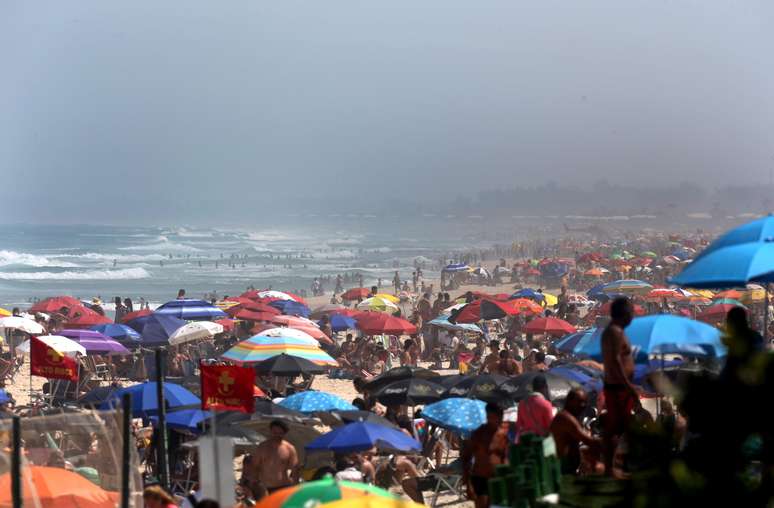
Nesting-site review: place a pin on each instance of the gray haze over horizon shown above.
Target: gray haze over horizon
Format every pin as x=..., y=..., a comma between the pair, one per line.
x=199, y=112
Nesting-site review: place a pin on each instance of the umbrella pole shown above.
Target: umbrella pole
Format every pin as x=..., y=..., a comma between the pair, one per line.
x=766, y=313
x=161, y=445
x=16, y=480
x=216, y=453
x=126, y=420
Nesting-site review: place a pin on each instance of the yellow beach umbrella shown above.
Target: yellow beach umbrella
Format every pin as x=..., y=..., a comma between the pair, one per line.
x=706, y=293
x=378, y=303
x=372, y=502
x=4, y=312
x=391, y=298
x=551, y=300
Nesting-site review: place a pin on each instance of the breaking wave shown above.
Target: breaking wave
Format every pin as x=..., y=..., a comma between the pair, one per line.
x=125, y=274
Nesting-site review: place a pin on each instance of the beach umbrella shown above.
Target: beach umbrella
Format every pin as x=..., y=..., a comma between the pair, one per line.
x=311, y=401
x=549, y=326
x=268, y=408
x=392, y=298
x=521, y=386
x=54, y=487
x=728, y=301
x=288, y=365
x=287, y=332
x=379, y=304
x=596, y=272
x=571, y=342
x=360, y=436
x=715, y=313
x=355, y=294
x=627, y=287
x=397, y=374
x=273, y=295
x=649, y=254
x=742, y=255
x=5, y=397
x=409, y=392
x=227, y=324
x=731, y=294
x=373, y=502
x=338, y=418
x=121, y=333
x=81, y=317
x=659, y=294
x=291, y=307
x=197, y=330
x=328, y=308
x=664, y=334
x=54, y=304
x=190, y=309
x=135, y=315
x=252, y=306
x=753, y=294
x=249, y=315
x=144, y=398
x=315, y=333
x=442, y=321
x=95, y=342
x=525, y=306
x=293, y=321
x=185, y=419
x=4, y=312
x=158, y=328
x=56, y=342
x=462, y=416
x=456, y=267
x=379, y=323
x=262, y=347
x=316, y=493
x=22, y=324
x=339, y=322
x=486, y=387
x=484, y=309
x=529, y=294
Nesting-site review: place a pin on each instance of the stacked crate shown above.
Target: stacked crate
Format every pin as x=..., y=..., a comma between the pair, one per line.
x=533, y=472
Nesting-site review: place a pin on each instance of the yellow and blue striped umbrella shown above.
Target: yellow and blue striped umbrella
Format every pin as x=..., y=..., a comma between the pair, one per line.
x=259, y=348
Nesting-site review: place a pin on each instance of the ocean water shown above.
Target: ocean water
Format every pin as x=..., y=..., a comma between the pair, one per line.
x=154, y=262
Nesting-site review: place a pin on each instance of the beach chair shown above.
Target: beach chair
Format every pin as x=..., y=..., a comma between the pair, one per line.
x=447, y=478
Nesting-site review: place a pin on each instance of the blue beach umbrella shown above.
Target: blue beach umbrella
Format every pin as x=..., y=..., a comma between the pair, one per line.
x=121, y=333
x=530, y=294
x=291, y=308
x=185, y=419
x=443, y=322
x=191, y=309
x=158, y=328
x=572, y=342
x=462, y=416
x=311, y=401
x=144, y=401
x=744, y=254
x=456, y=267
x=663, y=334
x=340, y=322
x=360, y=436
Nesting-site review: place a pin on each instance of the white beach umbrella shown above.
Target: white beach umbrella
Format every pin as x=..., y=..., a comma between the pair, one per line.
x=289, y=333
x=56, y=342
x=23, y=324
x=196, y=330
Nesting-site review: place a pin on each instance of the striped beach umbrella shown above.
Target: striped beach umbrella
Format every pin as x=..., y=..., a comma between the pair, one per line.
x=378, y=303
x=260, y=348
x=320, y=492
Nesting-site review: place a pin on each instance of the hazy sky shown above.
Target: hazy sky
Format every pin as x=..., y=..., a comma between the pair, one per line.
x=148, y=111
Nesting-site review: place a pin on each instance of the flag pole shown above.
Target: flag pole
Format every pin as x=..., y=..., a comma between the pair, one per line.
x=126, y=429
x=217, y=455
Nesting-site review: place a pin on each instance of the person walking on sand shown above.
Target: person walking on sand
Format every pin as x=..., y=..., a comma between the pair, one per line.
x=621, y=396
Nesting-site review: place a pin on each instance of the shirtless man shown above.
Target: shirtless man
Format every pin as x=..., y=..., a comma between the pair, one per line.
x=569, y=434
x=492, y=359
x=621, y=396
x=486, y=448
x=274, y=464
x=507, y=366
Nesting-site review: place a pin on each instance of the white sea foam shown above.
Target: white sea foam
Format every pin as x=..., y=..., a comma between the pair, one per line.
x=125, y=274
x=162, y=244
x=9, y=257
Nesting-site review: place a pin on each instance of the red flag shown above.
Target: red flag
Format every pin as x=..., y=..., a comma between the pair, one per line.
x=227, y=388
x=47, y=362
